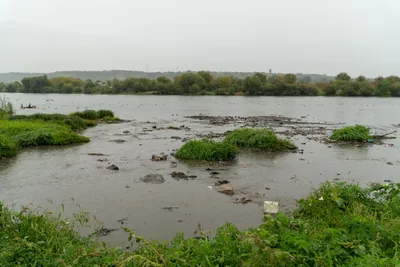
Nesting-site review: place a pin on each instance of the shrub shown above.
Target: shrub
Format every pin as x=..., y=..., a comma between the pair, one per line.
x=206, y=150
x=105, y=113
x=358, y=133
x=6, y=108
x=8, y=147
x=263, y=139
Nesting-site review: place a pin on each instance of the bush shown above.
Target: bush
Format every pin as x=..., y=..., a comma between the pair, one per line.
x=358, y=133
x=105, y=113
x=206, y=150
x=263, y=139
x=8, y=147
x=6, y=108
x=110, y=119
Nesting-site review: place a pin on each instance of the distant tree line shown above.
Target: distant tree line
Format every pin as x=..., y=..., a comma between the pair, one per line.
x=204, y=83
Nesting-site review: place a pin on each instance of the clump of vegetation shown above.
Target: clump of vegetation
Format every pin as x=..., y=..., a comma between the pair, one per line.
x=88, y=114
x=75, y=122
x=358, y=133
x=103, y=113
x=339, y=224
x=110, y=119
x=263, y=139
x=206, y=150
x=8, y=147
x=37, y=133
x=6, y=108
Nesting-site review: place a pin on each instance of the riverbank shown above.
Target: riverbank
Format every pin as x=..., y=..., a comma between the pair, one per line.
x=339, y=224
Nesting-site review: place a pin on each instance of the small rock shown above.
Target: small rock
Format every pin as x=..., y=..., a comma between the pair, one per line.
x=214, y=173
x=126, y=132
x=226, y=189
x=180, y=175
x=387, y=181
x=267, y=188
x=243, y=200
x=153, y=179
x=176, y=137
x=221, y=182
x=303, y=143
x=96, y=154
x=154, y=127
x=170, y=208
x=127, y=186
x=113, y=167
x=158, y=158
x=173, y=164
x=271, y=207
x=101, y=160
x=118, y=141
x=180, y=221
x=389, y=163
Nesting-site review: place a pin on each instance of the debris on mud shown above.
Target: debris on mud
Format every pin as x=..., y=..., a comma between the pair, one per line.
x=155, y=157
x=171, y=208
x=118, y=141
x=243, y=200
x=113, y=167
x=126, y=132
x=105, y=231
x=121, y=221
x=96, y=154
x=389, y=163
x=226, y=189
x=103, y=160
x=182, y=176
x=153, y=179
x=221, y=182
x=173, y=164
x=176, y=137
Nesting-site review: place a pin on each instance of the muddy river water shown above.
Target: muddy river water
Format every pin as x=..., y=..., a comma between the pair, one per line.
x=48, y=177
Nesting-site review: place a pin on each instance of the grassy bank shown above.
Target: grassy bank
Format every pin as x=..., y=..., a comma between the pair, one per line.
x=263, y=139
x=358, y=133
x=17, y=131
x=17, y=134
x=337, y=225
x=206, y=150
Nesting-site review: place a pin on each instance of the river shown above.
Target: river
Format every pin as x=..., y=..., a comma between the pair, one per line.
x=48, y=177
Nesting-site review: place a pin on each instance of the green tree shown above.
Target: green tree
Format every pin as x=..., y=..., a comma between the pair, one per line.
x=305, y=79
x=361, y=78
x=393, y=79
x=383, y=88
x=252, y=85
x=290, y=78
x=261, y=76
x=34, y=84
x=207, y=76
x=343, y=76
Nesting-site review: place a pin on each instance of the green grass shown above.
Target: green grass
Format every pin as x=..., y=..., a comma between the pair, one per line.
x=37, y=133
x=93, y=114
x=110, y=119
x=263, y=139
x=339, y=224
x=75, y=122
x=358, y=133
x=206, y=150
x=8, y=147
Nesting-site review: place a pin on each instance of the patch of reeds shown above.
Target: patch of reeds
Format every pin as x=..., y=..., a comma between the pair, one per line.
x=206, y=150
x=263, y=139
x=358, y=133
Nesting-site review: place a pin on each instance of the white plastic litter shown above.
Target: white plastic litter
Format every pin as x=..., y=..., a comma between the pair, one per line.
x=271, y=207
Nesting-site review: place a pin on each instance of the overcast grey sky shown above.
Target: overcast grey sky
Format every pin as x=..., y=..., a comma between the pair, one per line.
x=308, y=36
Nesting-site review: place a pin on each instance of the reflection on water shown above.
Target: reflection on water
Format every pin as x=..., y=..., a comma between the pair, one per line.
x=51, y=176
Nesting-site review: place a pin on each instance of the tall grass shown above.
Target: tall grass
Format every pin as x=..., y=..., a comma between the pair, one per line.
x=36, y=133
x=358, y=133
x=6, y=108
x=339, y=224
x=8, y=147
x=206, y=150
x=93, y=114
x=75, y=122
x=263, y=139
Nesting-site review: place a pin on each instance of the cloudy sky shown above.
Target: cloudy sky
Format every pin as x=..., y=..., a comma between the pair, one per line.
x=308, y=36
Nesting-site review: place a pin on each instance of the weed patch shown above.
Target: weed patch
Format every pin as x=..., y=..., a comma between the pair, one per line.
x=8, y=147
x=206, y=150
x=263, y=139
x=358, y=133
x=339, y=224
